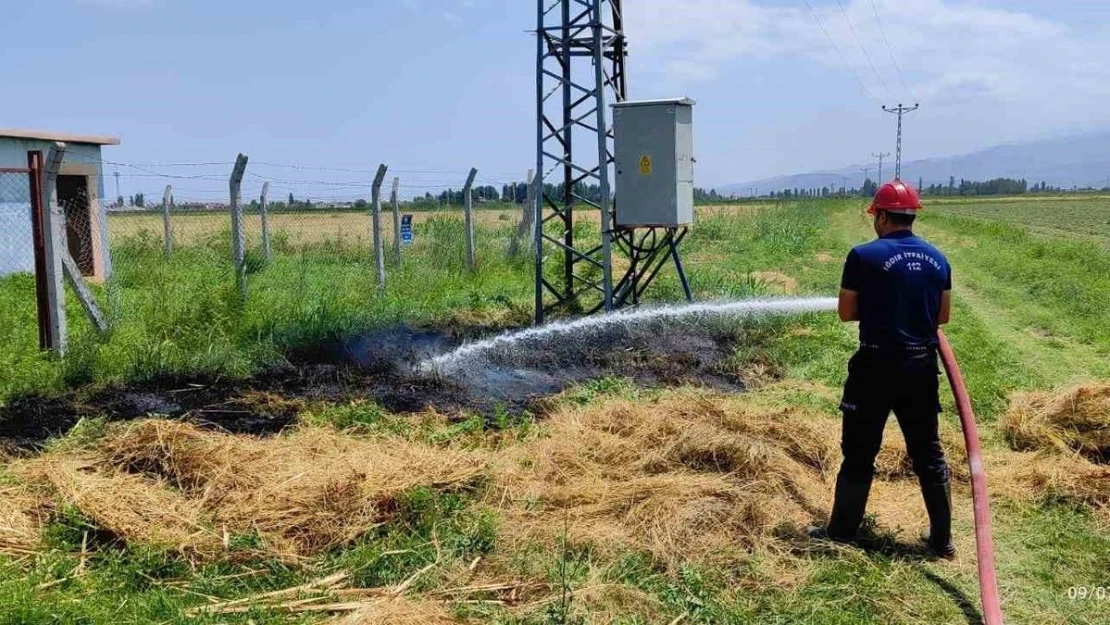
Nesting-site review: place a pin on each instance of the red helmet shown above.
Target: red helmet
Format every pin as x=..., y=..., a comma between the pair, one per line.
x=896, y=197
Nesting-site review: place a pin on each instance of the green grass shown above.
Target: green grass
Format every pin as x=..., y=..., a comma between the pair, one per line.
x=183, y=316
x=1030, y=313
x=1079, y=217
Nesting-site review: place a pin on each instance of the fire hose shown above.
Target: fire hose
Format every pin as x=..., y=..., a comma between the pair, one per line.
x=988, y=578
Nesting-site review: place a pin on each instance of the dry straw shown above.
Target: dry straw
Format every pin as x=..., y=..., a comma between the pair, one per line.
x=684, y=478
x=21, y=517
x=1076, y=419
x=397, y=611
x=302, y=493
x=1068, y=436
x=691, y=476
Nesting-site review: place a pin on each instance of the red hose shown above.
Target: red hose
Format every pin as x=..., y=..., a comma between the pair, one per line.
x=988, y=579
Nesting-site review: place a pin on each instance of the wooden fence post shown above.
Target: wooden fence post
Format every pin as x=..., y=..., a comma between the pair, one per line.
x=394, y=204
x=238, y=239
x=167, y=224
x=265, y=221
x=376, y=219
x=468, y=209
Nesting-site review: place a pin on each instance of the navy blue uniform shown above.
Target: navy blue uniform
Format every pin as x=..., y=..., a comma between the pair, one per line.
x=900, y=279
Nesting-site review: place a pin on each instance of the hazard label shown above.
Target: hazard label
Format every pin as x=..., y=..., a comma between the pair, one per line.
x=645, y=165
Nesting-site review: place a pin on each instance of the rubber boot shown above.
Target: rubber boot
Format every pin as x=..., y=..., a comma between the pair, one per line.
x=938, y=503
x=847, y=513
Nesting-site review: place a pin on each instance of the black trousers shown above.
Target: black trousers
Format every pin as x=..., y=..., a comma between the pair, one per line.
x=876, y=386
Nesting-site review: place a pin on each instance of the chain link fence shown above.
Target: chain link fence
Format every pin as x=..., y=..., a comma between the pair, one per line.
x=17, y=260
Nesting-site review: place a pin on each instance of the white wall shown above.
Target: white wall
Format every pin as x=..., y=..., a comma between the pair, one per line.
x=16, y=249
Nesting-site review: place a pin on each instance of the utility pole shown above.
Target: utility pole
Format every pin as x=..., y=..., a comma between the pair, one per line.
x=118, y=194
x=900, y=111
x=881, y=156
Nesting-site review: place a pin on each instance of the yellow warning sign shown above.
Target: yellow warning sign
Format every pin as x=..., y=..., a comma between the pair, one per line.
x=645, y=165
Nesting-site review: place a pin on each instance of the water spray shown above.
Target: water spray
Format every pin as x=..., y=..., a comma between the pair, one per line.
x=454, y=361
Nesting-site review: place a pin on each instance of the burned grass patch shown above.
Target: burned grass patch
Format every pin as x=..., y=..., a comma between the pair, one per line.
x=387, y=369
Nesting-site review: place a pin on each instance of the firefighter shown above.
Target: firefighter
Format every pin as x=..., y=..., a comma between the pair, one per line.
x=898, y=287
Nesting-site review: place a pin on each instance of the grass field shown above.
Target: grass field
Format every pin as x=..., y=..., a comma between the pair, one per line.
x=612, y=502
x=1086, y=218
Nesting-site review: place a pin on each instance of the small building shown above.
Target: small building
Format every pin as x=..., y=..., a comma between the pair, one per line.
x=80, y=188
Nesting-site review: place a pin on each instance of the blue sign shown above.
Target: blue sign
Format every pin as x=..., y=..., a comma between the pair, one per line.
x=406, y=229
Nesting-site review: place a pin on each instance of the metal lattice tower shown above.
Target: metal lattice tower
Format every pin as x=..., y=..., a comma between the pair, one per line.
x=882, y=157
x=580, y=70
x=900, y=111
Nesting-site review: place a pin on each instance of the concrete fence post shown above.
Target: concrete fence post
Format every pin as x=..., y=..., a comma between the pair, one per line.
x=54, y=244
x=167, y=224
x=265, y=221
x=528, y=213
x=238, y=238
x=376, y=219
x=395, y=205
x=468, y=210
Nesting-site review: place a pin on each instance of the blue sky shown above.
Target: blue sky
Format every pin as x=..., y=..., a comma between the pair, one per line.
x=433, y=87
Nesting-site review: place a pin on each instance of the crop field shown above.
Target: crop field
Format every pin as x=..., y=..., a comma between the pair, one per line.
x=289, y=460
x=348, y=227
x=1084, y=218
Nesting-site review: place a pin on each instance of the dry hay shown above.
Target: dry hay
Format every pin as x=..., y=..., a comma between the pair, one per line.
x=302, y=493
x=687, y=477
x=129, y=507
x=1051, y=475
x=603, y=604
x=893, y=463
x=397, y=611
x=21, y=517
x=1076, y=420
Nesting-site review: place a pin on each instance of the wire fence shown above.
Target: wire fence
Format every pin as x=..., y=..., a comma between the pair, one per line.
x=16, y=243
x=18, y=311
x=310, y=248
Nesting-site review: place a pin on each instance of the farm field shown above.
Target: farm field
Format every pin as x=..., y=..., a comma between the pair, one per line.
x=347, y=227
x=268, y=462
x=1084, y=218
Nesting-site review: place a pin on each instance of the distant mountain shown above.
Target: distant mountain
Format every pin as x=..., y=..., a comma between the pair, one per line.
x=1082, y=161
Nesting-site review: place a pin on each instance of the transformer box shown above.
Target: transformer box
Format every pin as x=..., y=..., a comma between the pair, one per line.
x=654, y=143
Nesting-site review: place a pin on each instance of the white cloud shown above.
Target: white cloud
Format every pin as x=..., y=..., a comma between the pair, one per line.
x=951, y=53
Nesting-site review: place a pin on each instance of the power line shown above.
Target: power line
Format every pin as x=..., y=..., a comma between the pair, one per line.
x=859, y=43
x=169, y=164
x=890, y=49
x=843, y=61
